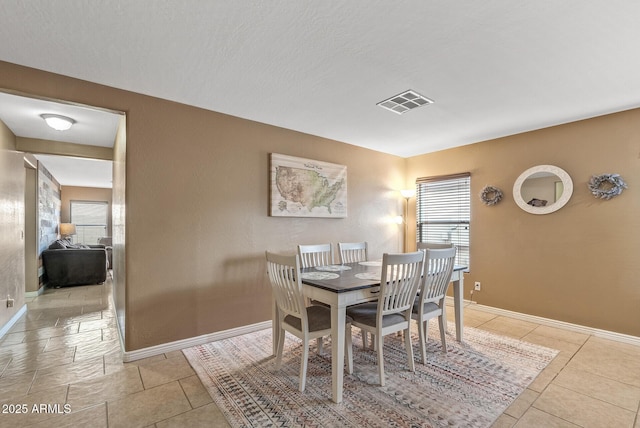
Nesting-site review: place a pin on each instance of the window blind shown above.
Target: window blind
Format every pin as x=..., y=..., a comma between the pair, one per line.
x=90, y=219
x=443, y=214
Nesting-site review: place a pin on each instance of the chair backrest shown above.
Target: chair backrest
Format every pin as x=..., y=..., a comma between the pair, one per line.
x=106, y=241
x=433, y=245
x=315, y=255
x=438, y=267
x=351, y=252
x=284, y=274
x=399, y=283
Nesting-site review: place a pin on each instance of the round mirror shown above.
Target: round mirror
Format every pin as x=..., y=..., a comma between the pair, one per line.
x=542, y=189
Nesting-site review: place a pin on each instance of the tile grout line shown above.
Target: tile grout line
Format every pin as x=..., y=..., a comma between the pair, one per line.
x=576, y=392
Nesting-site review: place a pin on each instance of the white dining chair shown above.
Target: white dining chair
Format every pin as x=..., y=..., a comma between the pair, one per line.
x=433, y=245
x=304, y=322
x=399, y=282
x=430, y=303
x=352, y=252
x=315, y=255
x=436, y=246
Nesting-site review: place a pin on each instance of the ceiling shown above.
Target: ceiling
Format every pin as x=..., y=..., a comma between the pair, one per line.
x=93, y=127
x=493, y=68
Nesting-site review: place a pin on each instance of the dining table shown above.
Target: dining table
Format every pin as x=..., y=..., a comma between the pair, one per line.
x=343, y=285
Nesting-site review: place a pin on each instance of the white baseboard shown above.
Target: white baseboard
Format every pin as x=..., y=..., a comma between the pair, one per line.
x=605, y=334
x=193, y=341
x=212, y=337
x=5, y=328
x=34, y=293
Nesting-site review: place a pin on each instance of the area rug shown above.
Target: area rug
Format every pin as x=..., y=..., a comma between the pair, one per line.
x=470, y=386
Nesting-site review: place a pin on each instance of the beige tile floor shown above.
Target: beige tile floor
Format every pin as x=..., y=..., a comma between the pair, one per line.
x=65, y=352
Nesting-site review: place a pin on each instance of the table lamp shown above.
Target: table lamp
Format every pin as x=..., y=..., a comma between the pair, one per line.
x=67, y=230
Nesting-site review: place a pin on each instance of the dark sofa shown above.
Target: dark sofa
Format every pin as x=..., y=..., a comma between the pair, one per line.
x=74, y=264
x=108, y=244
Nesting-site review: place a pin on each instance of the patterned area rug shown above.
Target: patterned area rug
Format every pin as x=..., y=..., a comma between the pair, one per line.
x=470, y=386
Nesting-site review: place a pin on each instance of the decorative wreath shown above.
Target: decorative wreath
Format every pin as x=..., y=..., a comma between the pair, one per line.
x=606, y=186
x=491, y=195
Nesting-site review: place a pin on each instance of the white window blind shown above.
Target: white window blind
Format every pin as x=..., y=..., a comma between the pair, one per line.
x=90, y=219
x=443, y=207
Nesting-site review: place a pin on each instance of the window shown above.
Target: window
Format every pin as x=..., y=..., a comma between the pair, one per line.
x=443, y=214
x=90, y=219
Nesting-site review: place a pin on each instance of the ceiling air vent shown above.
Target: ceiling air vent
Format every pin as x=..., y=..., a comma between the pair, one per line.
x=405, y=101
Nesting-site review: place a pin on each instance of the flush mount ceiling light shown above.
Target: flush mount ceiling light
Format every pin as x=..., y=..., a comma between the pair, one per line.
x=58, y=122
x=405, y=101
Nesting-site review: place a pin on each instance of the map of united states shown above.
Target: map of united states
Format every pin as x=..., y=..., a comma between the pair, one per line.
x=306, y=187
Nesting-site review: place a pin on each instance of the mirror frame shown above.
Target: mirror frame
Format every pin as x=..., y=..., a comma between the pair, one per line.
x=564, y=198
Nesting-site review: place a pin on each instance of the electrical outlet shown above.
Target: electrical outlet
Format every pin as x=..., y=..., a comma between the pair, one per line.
x=9, y=302
x=476, y=286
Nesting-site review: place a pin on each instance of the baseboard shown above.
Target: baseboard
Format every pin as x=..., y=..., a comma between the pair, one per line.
x=34, y=293
x=5, y=328
x=605, y=334
x=212, y=337
x=193, y=341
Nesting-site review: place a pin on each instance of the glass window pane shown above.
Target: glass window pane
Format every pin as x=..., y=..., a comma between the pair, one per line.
x=444, y=212
x=90, y=219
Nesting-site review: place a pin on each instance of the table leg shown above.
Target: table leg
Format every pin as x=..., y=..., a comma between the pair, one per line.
x=338, y=316
x=458, y=294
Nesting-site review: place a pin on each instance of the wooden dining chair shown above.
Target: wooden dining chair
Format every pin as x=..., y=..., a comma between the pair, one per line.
x=352, y=252
x=430, y=303
x=399, y=282
x=315, y=255
x=304, y=322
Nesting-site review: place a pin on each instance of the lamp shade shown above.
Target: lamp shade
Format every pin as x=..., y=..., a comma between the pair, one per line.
x=67, y=229
x=408, y=193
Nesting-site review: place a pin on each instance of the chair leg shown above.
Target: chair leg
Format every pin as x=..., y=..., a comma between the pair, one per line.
x=349, y=349
x=372, y=342
x=379, y=345
x=407, y=341
x=303, y=365
x=443, y=326
x=320, y=344
x=444, y=315
x=365, y=337
x=280, y=348
x=422, y=330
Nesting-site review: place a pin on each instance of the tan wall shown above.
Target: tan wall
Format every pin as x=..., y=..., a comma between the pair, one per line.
x=12, y=182
x=197, y=202
x=75, y=193
x=579, y=264
x=197, y=198
x=34, y=145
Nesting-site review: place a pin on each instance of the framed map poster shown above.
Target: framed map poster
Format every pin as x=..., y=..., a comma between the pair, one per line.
x=307, y=188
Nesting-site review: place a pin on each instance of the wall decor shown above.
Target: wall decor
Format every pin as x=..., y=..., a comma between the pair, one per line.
x=49, y=203
x=542, y=189
x=307, y=188
x=491, y=195
x=606, y=186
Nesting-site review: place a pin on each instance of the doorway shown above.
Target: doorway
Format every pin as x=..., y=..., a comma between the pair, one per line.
x=96, y=135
